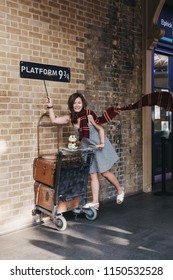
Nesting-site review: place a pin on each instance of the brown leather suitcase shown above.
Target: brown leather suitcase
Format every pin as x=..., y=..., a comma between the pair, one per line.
x=44, y=196
x=44, y=171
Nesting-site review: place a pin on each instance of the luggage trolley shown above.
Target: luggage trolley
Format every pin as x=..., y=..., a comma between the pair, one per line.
x=61, y=182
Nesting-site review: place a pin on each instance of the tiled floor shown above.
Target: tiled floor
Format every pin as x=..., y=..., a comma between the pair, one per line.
x=140, y=228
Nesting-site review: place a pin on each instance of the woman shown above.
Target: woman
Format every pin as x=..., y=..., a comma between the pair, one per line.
x=91, y=133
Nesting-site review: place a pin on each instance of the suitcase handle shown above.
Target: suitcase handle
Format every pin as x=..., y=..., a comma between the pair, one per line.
x=45, y=124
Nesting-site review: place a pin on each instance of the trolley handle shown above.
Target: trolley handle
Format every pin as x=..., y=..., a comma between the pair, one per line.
x=89, y=149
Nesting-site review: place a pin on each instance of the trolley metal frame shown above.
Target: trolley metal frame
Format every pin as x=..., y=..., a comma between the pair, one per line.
x=70, y=183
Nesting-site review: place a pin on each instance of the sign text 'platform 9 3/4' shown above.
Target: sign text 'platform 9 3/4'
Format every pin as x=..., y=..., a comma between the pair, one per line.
x=31, y=70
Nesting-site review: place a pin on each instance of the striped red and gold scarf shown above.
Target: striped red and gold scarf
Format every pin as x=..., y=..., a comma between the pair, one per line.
x=162, y=99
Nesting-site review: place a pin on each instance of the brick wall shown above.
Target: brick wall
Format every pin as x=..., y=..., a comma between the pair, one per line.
x=101, y=43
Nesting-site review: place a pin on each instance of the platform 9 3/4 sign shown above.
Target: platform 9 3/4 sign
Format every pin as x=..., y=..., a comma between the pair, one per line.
x=31, y=70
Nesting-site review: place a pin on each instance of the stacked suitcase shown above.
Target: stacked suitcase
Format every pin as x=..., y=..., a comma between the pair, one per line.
x=61, y=183
x=44, y=176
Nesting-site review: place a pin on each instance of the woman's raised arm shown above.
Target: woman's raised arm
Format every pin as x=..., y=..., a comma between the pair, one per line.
x=56, y=119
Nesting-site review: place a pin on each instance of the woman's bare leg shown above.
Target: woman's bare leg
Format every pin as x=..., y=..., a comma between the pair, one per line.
x=113, y=180
x=95, y=187
x=95, y=192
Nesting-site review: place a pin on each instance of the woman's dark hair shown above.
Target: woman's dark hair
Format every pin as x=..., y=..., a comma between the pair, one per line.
x=71, y=101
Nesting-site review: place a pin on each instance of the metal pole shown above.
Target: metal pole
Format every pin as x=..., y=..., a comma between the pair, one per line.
x=47, y=95
x=163, y=141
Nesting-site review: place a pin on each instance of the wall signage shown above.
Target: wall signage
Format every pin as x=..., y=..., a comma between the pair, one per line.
x=165, y=21
x=39, y=71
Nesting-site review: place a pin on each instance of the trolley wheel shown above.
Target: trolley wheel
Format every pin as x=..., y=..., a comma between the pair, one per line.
x=35, y=212
x=61, y=223
x=91, y=213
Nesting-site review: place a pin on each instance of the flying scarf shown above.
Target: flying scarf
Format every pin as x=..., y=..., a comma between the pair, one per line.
x=162, y=99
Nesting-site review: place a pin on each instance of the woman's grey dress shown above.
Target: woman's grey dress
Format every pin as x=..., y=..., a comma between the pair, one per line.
x=104, y=158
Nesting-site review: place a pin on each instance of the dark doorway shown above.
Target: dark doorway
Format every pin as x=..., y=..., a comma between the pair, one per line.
x=161, y=119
